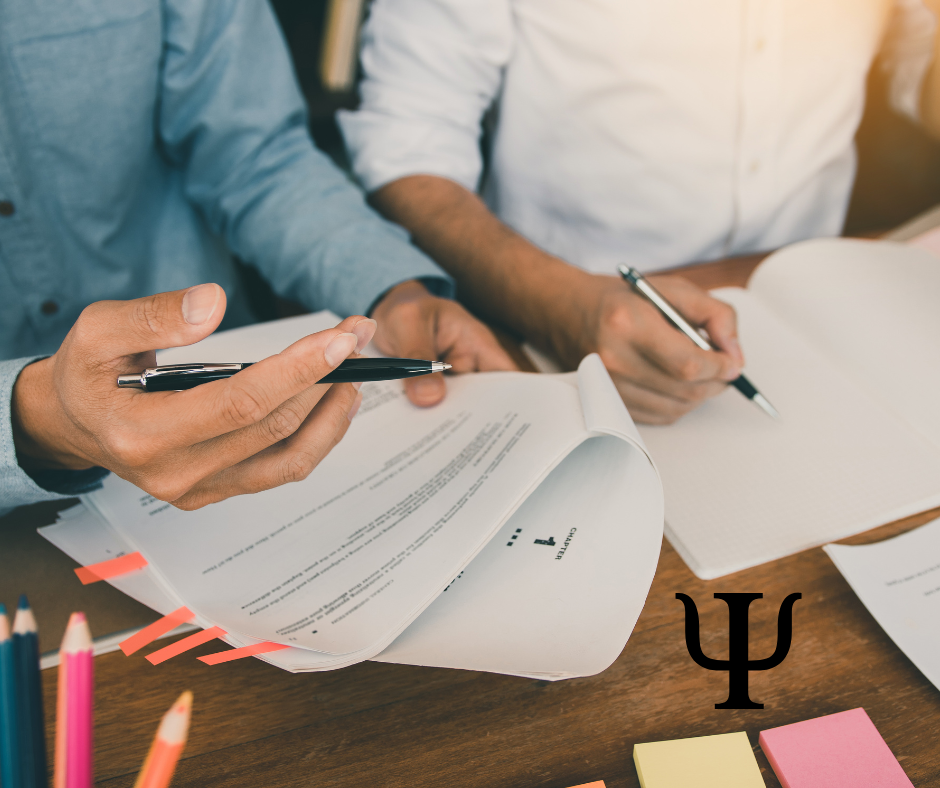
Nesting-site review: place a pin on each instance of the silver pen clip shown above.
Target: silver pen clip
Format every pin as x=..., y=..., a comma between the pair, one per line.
x=139, y=380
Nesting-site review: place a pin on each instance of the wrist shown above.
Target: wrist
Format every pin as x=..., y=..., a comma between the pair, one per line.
x=38, y=435
x=409, y=291
x=567, y=325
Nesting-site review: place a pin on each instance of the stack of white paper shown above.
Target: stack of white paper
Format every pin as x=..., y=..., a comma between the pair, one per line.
x=542, y=482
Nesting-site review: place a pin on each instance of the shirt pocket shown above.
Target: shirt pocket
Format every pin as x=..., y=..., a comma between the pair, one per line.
x=91, y=97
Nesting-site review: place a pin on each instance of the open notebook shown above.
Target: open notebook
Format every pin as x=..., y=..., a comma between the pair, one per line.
x=843, y=337
x=513, y=528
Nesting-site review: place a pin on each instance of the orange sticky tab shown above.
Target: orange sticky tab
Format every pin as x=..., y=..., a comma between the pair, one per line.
x=241, y=653
x=105, y=569
x=160, y=627
x=174, y=649
x=598, y=784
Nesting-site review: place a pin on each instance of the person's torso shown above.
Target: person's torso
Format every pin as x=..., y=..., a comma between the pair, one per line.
x=94, y=210
x=668, y=131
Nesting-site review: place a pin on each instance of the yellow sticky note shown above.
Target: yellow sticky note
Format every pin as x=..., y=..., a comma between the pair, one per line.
x=723, y=761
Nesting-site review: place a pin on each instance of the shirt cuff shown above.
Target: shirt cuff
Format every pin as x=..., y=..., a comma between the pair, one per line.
x=17, y=487
x=435, y=285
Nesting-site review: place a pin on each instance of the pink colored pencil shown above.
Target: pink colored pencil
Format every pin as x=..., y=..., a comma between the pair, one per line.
x=74, y=707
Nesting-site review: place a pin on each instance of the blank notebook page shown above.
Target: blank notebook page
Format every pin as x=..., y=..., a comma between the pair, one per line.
x=742, y=488
x=873, y=308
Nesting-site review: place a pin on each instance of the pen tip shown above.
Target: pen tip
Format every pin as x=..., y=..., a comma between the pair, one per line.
x=765, y=406
x=628, y=274
x=24, y=602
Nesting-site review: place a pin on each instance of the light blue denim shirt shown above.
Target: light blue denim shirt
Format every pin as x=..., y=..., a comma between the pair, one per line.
x=142, y=143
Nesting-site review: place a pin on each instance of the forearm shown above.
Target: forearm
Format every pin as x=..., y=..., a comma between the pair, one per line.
x=500, y=275
x=313, y=238
x=231, y=118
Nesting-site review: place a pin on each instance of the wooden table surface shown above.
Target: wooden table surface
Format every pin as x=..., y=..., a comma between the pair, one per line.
x=391, y=725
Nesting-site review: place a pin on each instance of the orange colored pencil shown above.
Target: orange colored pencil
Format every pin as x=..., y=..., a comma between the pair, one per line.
x=167, y=747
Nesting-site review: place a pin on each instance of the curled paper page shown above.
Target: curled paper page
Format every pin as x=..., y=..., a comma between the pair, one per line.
x=535, y=486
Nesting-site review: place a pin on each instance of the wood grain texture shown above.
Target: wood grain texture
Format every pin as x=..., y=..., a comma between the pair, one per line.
x=391, y=726
x=30, y=564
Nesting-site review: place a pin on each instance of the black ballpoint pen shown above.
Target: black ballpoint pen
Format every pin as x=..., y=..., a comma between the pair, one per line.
x=178, y=377
x=741, y=383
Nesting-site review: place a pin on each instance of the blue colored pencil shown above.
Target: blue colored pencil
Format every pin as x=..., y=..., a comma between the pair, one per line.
x=9, y=750
x=32, y=733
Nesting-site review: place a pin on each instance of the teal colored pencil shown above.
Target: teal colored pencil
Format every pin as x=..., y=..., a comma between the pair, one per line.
x=32, y=733
x=9, y=751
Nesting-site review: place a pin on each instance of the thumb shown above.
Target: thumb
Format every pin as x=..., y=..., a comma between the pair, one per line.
x=164, y=320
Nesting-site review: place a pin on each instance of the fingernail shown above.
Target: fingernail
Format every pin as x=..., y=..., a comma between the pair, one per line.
x=427, y=388
x=340, y=348
x=355, y=408
x=732, y=374
x=357, y=385
x=199, y=303
x=364, y=330
x=734, y=348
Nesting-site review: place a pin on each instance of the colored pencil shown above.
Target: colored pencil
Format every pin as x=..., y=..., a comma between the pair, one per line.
x=74, y=707
x=29, y=698
x=9, y=749
x=160, y=764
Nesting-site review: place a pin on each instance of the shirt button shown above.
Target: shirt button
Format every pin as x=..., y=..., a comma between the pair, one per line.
x=7, y=208
x=754, y=167
x=759, y=45
x=49, y=308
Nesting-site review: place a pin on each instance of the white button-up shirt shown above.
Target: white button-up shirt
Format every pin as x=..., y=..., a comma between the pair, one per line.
x=651, y=131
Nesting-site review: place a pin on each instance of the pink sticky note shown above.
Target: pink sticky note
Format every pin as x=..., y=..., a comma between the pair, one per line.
x=841, y=750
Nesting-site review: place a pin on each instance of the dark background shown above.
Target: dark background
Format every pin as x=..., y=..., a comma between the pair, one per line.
x=899, y=165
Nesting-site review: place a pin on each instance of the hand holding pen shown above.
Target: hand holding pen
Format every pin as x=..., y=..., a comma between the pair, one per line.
x=678, y=320
x=268, y=425
x=658, y=372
